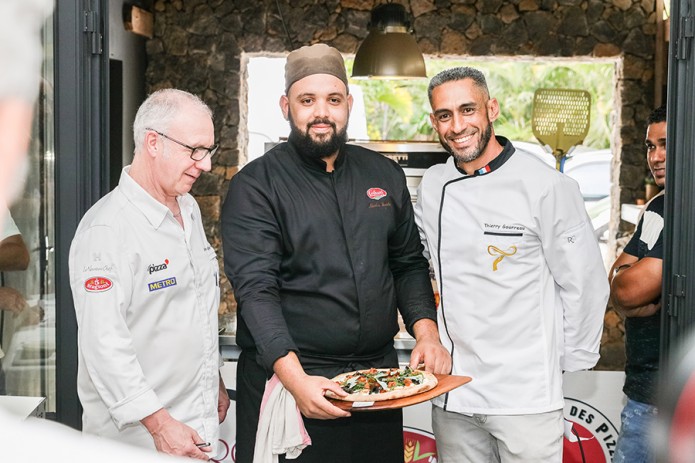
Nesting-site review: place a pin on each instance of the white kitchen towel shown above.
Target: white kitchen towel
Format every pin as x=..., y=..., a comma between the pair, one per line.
x=280, y=425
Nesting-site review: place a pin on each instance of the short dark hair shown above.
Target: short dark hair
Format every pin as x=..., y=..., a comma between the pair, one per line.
x=458, y=73
x=657, y=115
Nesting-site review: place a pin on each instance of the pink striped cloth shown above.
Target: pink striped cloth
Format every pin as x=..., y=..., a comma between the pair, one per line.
x=280, y=425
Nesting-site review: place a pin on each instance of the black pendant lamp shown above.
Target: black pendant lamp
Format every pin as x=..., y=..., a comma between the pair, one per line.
x=390, y=50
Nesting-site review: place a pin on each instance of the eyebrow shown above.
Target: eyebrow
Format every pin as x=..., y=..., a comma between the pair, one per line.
x=460, y=107
x=313, y=94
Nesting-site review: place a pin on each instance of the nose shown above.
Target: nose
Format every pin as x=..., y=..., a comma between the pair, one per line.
x=458, y=123
x=320, y=109
x=204, y=164
x=657, y=155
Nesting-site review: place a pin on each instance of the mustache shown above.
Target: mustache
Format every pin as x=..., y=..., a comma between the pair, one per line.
x=321, y=121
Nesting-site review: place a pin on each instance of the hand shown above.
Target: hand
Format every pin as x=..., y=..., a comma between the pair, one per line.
x=643, y=311
x=173, y=437
x=308, y=391
x=429, y=349
x=223, y=401
x=12, y=300
x=309, y=395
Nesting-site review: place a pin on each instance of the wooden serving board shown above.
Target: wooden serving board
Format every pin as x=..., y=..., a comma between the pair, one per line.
x=445, y=383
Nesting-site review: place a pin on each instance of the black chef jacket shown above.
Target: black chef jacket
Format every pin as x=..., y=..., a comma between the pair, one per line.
x=320, y=261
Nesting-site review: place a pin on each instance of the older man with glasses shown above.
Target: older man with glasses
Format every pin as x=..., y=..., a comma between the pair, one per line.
x=145, y=282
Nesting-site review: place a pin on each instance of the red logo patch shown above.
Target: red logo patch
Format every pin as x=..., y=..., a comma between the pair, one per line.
x=376, y=193
x=418, y=446
x=593, y=437
x=97, y=284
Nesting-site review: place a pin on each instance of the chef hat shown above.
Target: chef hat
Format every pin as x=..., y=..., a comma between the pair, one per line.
x=314, y=59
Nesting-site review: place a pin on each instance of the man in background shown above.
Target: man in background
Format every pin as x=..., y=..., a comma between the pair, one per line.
x=635, y=280
x=521, y=282
x=146, y=289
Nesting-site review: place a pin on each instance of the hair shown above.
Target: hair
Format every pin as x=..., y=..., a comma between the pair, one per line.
x=458, y=73
x=160, y=109
x=657, y=115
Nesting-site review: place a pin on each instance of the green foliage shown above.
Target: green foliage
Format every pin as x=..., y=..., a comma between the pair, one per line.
x=399, y=109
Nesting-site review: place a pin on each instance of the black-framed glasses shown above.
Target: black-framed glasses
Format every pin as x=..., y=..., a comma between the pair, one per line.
x=198, y=153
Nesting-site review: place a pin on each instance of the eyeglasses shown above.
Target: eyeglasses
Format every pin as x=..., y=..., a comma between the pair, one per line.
x=198, y=153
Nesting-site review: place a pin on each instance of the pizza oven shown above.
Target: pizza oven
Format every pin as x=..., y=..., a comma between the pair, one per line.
x=413, y=156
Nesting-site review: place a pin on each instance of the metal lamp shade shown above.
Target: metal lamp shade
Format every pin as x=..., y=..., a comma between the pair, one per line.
x=389, y=55
x=389, y=51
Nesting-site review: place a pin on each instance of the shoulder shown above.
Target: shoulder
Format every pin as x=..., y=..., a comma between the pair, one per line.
x=656, y=204
x=277, y=159
x=105, y=212
x=440, y=171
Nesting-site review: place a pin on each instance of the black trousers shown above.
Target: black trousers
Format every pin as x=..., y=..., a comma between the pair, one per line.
x=363, y=437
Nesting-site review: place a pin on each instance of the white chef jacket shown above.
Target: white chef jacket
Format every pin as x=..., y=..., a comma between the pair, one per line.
x=146, y=295
x=522, y=284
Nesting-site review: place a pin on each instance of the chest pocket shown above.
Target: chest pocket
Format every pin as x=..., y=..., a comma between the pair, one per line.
x=502, y=247
x=207, y=265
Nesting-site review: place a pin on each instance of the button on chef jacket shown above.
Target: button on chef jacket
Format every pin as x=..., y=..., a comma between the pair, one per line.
x=146, y=295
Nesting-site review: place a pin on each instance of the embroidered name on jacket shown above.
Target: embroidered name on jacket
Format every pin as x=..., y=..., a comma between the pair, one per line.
x=161, y=284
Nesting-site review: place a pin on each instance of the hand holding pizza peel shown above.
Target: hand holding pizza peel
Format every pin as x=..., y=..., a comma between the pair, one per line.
x=308, y=391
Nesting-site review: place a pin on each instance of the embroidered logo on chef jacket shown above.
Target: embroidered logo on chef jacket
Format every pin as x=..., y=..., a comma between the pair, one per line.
x=495, y=251
x=162, y=284
x=376, y=193
x=97, y=284
x=157, y=267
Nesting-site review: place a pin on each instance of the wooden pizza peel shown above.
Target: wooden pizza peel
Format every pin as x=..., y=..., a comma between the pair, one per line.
x=445, y=383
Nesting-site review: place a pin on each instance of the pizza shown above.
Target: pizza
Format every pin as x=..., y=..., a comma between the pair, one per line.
x=383, y=384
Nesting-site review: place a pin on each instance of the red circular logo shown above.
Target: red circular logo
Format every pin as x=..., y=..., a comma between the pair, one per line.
x=97, y=284
x=376, y=193
x=592, y=436
x=418, y=446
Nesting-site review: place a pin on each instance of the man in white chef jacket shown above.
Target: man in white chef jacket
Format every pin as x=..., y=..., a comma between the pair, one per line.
x=146, y=288
x=522, y=284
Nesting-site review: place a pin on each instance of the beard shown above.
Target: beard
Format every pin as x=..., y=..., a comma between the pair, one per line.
x=473, y=153
x=325, y=146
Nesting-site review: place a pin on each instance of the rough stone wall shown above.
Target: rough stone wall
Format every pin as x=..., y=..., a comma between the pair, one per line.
x=199, y=44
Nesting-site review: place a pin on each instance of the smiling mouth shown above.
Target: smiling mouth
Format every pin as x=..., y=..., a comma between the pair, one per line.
x=463, y=139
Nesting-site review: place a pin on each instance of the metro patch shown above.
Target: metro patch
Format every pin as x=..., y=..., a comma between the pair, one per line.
x=161, y=284
x=376, y=193
x=98, y=284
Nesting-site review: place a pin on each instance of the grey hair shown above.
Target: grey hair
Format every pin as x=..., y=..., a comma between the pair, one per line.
x=458, y=73
x=160, y=109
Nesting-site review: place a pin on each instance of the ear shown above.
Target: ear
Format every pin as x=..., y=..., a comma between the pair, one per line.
x=285, y=106
x=349, y=101
x=151, y=143
x=433, y=121
x=493, y=109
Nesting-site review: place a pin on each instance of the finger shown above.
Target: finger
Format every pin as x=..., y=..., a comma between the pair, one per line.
x=415, y=359
x=335, y=388
x=332, y=411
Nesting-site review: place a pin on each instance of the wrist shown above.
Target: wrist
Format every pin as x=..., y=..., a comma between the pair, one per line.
x=156, y=421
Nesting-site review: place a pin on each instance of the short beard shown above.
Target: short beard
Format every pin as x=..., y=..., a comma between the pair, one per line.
x=316, y=149
x=476, y=152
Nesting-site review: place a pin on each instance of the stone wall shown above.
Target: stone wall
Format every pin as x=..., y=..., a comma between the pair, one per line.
x=199, y=46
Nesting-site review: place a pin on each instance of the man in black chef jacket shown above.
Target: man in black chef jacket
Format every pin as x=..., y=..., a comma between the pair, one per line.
x=321, y=248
